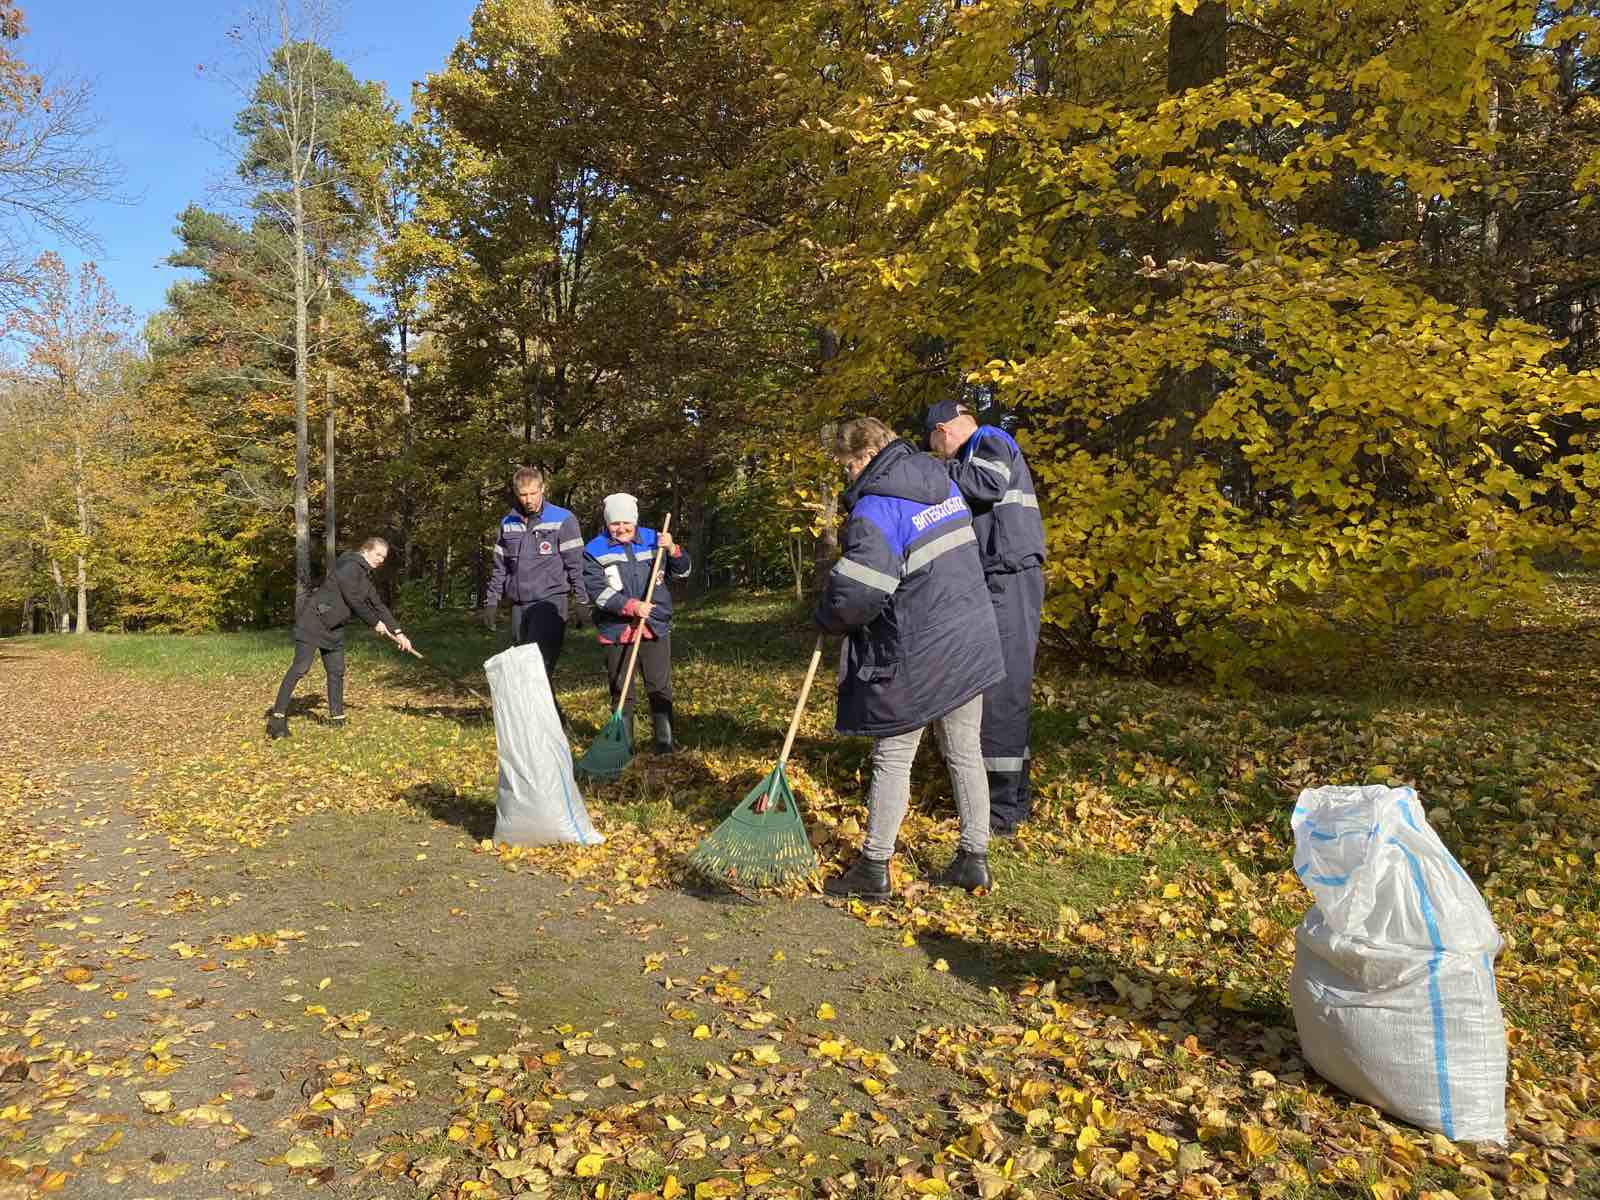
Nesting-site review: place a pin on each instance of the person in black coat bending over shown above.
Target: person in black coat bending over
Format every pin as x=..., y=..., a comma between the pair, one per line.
x=319, y=627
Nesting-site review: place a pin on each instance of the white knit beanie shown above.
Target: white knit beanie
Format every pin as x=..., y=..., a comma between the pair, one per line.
x=622, y=507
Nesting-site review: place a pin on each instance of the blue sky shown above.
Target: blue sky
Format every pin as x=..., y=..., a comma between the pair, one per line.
x=157, y=74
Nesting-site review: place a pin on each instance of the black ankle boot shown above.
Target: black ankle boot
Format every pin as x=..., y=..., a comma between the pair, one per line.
x=277, y=725
x=661, y=727
x=867, y=878
x=966, y=870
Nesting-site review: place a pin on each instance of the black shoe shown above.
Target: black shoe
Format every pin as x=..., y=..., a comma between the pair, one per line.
x=867, y=878
x=338, y=722
x=1002, y=828
x=662, y=728
x=277, y=725
x=966, y=870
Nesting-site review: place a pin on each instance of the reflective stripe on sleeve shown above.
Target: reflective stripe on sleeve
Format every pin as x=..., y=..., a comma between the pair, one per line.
x=1018, y=496
x=995, y=468
x=571, y=544
x=923, y=555
x=861, y=573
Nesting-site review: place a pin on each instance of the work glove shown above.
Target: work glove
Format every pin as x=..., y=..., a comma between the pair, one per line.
x=582, y=616
x=489, y=617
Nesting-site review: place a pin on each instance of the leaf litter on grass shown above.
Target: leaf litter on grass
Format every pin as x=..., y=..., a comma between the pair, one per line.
x=1138, y=1041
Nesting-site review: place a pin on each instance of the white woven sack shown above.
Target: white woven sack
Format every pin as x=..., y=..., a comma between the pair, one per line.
x=538, y=802
x=1393, y=987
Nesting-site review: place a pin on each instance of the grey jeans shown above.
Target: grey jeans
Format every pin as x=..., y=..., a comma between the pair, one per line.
x=890, y=793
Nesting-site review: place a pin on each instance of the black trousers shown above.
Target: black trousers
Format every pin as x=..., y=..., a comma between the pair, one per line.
x=332, y=663
x=544, y=623
x=655, y=661
x=1008, y=706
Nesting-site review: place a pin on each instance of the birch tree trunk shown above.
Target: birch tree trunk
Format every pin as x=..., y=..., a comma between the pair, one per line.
x=330, y=523
x=408, y=509
x=80, y=494
x=62, y=614
x=302, y=438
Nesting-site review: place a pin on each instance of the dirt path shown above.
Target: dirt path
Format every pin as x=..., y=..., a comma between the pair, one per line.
x=340, y=1005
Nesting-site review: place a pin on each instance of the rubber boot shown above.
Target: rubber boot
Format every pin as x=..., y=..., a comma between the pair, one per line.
x=867, y=878
x=662, y=723
x=277, y=725
x=966, y=870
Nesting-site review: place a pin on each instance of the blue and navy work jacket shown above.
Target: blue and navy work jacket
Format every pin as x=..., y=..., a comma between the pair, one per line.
x=616, y=572
x=995, y=481
x=538, y=556
x=909, y=593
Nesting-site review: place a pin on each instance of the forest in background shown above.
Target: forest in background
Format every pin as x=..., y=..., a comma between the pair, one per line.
x=1293, y=306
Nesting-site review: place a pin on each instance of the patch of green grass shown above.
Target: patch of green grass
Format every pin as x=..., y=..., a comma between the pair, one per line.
x=647, y=1176
x=1036, y=887
x=206, y=657
x=1191, y=753
x=1297, y=711
x=648, y=813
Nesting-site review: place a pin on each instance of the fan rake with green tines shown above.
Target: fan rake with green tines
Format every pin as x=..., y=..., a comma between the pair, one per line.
x=612, y=750
x=763, y=841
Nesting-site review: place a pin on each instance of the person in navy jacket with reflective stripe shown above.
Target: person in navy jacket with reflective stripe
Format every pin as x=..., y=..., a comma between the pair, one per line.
x=987, y=465
x=538, y=560
x=921, y=644
x=616, y=573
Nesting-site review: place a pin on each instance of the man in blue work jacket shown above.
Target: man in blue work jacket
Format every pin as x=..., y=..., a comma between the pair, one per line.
x=538, y=560
x=986, y=464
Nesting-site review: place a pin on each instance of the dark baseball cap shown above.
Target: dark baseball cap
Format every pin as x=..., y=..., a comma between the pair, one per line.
x=938, y=414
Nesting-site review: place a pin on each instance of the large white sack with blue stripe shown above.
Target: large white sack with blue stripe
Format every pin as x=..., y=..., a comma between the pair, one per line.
x=538, y=803
x=1393, y=987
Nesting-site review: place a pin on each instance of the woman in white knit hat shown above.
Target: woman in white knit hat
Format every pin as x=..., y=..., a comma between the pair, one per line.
x=616, y=574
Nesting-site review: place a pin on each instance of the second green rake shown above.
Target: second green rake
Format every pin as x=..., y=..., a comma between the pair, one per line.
x=763, y=841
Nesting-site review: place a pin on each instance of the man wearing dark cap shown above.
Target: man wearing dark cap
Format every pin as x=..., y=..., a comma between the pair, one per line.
x=987, y=466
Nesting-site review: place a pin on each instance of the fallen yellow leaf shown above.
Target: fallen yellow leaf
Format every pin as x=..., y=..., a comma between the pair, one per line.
x=302, y=1154
x=156, y=1102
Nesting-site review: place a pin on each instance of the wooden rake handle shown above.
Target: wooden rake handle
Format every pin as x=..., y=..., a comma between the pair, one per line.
x=638, y=630
x=395, y=639
x=800, y=706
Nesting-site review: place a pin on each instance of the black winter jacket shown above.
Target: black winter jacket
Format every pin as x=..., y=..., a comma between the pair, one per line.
x=909, y=592
x=346, y=592
x=995, y=481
